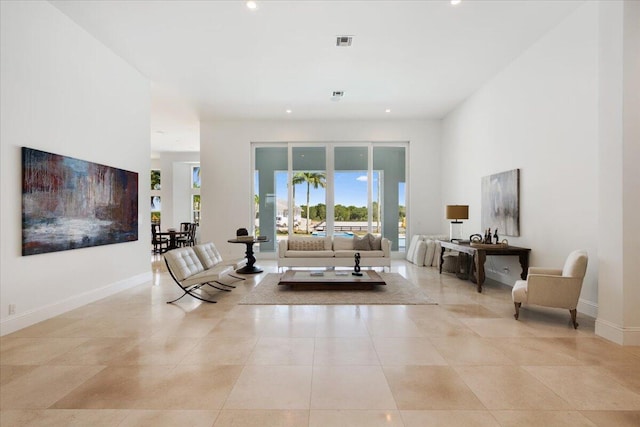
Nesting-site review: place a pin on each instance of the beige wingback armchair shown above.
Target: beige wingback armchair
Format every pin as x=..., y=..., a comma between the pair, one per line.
x=553, y=287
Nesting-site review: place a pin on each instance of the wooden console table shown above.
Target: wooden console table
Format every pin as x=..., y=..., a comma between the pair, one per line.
x=479, y=256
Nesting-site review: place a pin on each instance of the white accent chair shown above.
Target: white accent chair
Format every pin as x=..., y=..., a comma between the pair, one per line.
x=553, y=287
x=187, y=268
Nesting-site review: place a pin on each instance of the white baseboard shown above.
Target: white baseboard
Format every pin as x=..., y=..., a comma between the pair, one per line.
x=31, y=317
x=589, y=308
x=617, y=334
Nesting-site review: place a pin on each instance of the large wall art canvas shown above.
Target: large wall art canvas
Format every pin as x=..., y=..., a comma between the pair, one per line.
x=69, y=203
x=501, y=202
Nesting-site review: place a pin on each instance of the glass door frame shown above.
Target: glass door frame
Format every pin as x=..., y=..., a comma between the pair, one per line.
x=330, y=183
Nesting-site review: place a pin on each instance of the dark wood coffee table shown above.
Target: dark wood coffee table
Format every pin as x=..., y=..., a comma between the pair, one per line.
x=331, y=280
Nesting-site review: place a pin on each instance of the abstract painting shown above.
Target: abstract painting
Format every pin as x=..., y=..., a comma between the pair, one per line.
x=69, y=203
x=501, y=202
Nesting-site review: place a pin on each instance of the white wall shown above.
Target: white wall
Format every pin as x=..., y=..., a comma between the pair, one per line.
x=619, y=196
x=225, y=158
x=65, y=93
x=540, y=115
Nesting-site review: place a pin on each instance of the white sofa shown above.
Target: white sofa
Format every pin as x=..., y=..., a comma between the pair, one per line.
x=331, y=252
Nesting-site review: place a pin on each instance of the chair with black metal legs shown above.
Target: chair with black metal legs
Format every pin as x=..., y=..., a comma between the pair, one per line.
x=159, y=243
x=190, y=275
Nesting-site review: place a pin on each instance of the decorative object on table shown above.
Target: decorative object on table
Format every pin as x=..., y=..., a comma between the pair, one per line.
x=495, y=236
x=242, y=232
x=501, y=202
x=69, y=203
x=262, y=238
x=456, y=213
x=356, y=267
x=475, y=238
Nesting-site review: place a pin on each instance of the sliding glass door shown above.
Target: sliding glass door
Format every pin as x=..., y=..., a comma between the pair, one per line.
x=330, y=189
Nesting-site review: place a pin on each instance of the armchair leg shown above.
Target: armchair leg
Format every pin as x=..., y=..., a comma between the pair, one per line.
x=517, y=305
x=574, y=312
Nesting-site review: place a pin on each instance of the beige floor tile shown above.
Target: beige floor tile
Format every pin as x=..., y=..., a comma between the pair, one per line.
x=541, y=418
x=586, y=387
x=191, y=387
x=381, y=327
x=614, y=418
x=294, y=328
x=448, y=418
x=157, y=351
x=115, y=387
x=443, y=326
x=345, y=351
x=469, y=311
x=346, y=418
x=407, y=351
x=429, y=387
x=470, y=351
x=627, y=375
x=350, y=387
x=498, y=327
x=63, y=417
x=594, y=350
x=341, y=327
x=191, y=348
x=221, y=351
x=534, y=351
x=45, y=329
x=96, y=351
x=239, y=327
x=9, y=373
x=44, y=385
x=182, y=418
x=35, y=351
x=509, y=387
x=282, y=351
x=262, y=418
x=271, y=387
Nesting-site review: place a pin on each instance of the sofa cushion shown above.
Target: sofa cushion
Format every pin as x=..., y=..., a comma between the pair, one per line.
x=375, y=242
x=342, y=243
x=309, y=254
x=363, y=254
x=430, y=252
x=361, y=243
x=306, y=244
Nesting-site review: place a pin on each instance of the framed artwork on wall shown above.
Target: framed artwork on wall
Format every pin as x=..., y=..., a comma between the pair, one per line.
x=69, y=203
x=501, y=202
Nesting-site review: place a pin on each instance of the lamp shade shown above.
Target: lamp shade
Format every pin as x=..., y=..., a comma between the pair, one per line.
x=456, y=212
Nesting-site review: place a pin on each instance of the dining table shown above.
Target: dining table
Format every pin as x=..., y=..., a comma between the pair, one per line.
x=173, y=235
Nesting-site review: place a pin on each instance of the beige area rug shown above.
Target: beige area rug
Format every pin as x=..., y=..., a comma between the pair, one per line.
x=397, y=290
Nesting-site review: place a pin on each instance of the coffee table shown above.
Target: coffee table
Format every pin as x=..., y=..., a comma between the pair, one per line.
x=330, y=280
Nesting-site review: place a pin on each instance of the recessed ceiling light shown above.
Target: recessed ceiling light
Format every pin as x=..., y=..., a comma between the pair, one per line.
x=455, y=2
x=288, y=111
x=344, y=41
x=388, y=110
x=252, y=5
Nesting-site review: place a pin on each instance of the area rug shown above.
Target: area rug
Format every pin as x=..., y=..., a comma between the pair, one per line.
x=397, y=291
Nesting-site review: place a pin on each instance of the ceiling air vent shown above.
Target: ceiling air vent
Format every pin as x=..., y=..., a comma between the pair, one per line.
x=343, y=41
x=337, y=95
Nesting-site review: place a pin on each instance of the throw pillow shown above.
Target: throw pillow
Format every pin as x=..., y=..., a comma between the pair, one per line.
x=361, y=243
x=375, y=242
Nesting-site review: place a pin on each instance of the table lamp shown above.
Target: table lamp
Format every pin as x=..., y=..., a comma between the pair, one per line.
x=456, y=213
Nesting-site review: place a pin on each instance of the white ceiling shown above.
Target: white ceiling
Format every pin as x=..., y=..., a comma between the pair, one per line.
x=220, y=60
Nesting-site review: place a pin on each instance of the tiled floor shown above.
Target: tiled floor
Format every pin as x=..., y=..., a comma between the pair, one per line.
x=132, y=360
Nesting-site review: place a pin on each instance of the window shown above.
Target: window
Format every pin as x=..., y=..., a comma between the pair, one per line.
x=195, y=194
x=155, y=196
x=330, y=189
